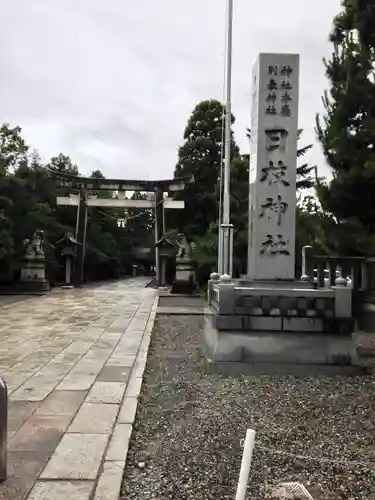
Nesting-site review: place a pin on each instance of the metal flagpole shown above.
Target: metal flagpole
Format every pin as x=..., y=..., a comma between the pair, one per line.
x=220, y=221
x=226, y=227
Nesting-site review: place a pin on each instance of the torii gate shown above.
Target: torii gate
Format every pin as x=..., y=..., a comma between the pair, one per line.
x=84, y=185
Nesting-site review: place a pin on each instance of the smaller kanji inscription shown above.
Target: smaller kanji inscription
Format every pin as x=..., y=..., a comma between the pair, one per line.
x=286, y=110
x=271, y=97
x=285, y=85
x=286, y=70
x=272, y=85
x=286, y=98
x=271, y=110
x=283, y=70
x=272, y=70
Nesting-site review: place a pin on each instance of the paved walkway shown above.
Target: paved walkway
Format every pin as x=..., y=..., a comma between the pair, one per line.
x=73, y=361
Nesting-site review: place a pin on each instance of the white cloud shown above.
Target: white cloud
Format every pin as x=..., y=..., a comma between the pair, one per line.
x=112, y=84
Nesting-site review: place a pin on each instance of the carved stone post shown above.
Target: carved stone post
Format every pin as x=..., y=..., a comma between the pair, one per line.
x=307, y=264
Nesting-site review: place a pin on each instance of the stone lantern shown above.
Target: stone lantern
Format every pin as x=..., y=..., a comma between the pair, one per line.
x=69, y=247
x=167, y=250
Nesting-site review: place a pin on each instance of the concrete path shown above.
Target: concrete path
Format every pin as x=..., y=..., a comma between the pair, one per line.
x=73, y=362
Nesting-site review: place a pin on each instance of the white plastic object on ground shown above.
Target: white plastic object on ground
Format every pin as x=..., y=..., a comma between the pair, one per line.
x=291, y=490
x=245, y=464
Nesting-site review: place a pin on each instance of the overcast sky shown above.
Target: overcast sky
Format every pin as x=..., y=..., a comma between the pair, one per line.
x=112, y=83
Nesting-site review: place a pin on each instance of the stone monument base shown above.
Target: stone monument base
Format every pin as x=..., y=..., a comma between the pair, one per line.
x=280, y=328
x=33, y=277
x=34, y=286
x=184, y=282
x=237, y=369
x=274, y=353
x=184, y=287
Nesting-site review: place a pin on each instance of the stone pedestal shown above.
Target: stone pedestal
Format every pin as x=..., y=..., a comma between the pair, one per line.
x=184, y=282
x=33, y=275
x=33, y=272
x=269, y=322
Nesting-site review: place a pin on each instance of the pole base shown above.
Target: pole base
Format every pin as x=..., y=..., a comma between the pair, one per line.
x=225, y=265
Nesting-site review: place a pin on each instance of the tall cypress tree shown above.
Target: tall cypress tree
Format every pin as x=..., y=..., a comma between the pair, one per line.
x=200, y=156
x=347, y=131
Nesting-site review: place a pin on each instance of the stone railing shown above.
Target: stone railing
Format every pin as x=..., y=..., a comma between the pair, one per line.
x=358, y=271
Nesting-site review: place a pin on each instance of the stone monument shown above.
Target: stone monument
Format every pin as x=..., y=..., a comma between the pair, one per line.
x=272, y=172
x=33, y=272
x=184, y=281
x=269, y=322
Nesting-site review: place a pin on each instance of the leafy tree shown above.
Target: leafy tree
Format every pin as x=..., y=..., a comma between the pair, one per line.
x=13, y=154
x=140, y=223
x=6, y=240
x=205, y=255
x=35, y=191
x=13, y=149
x=63, y=163
x=28, y=202
x=239, y=211
x=326, y=234
x=201, y=156
x=347, y=130
x=97, y=174
x=305, y=177
x=206, y=246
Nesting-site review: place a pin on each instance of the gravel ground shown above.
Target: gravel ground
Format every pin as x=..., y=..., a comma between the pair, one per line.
x=186, y=439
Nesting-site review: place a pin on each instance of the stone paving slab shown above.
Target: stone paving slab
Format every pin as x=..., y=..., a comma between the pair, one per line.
x=109, y=484
x=119, y=443
x=23, y=468
x=78, y=456
x=73, y=361
x=40, y=433
x=95, y=418
x=49, y=490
